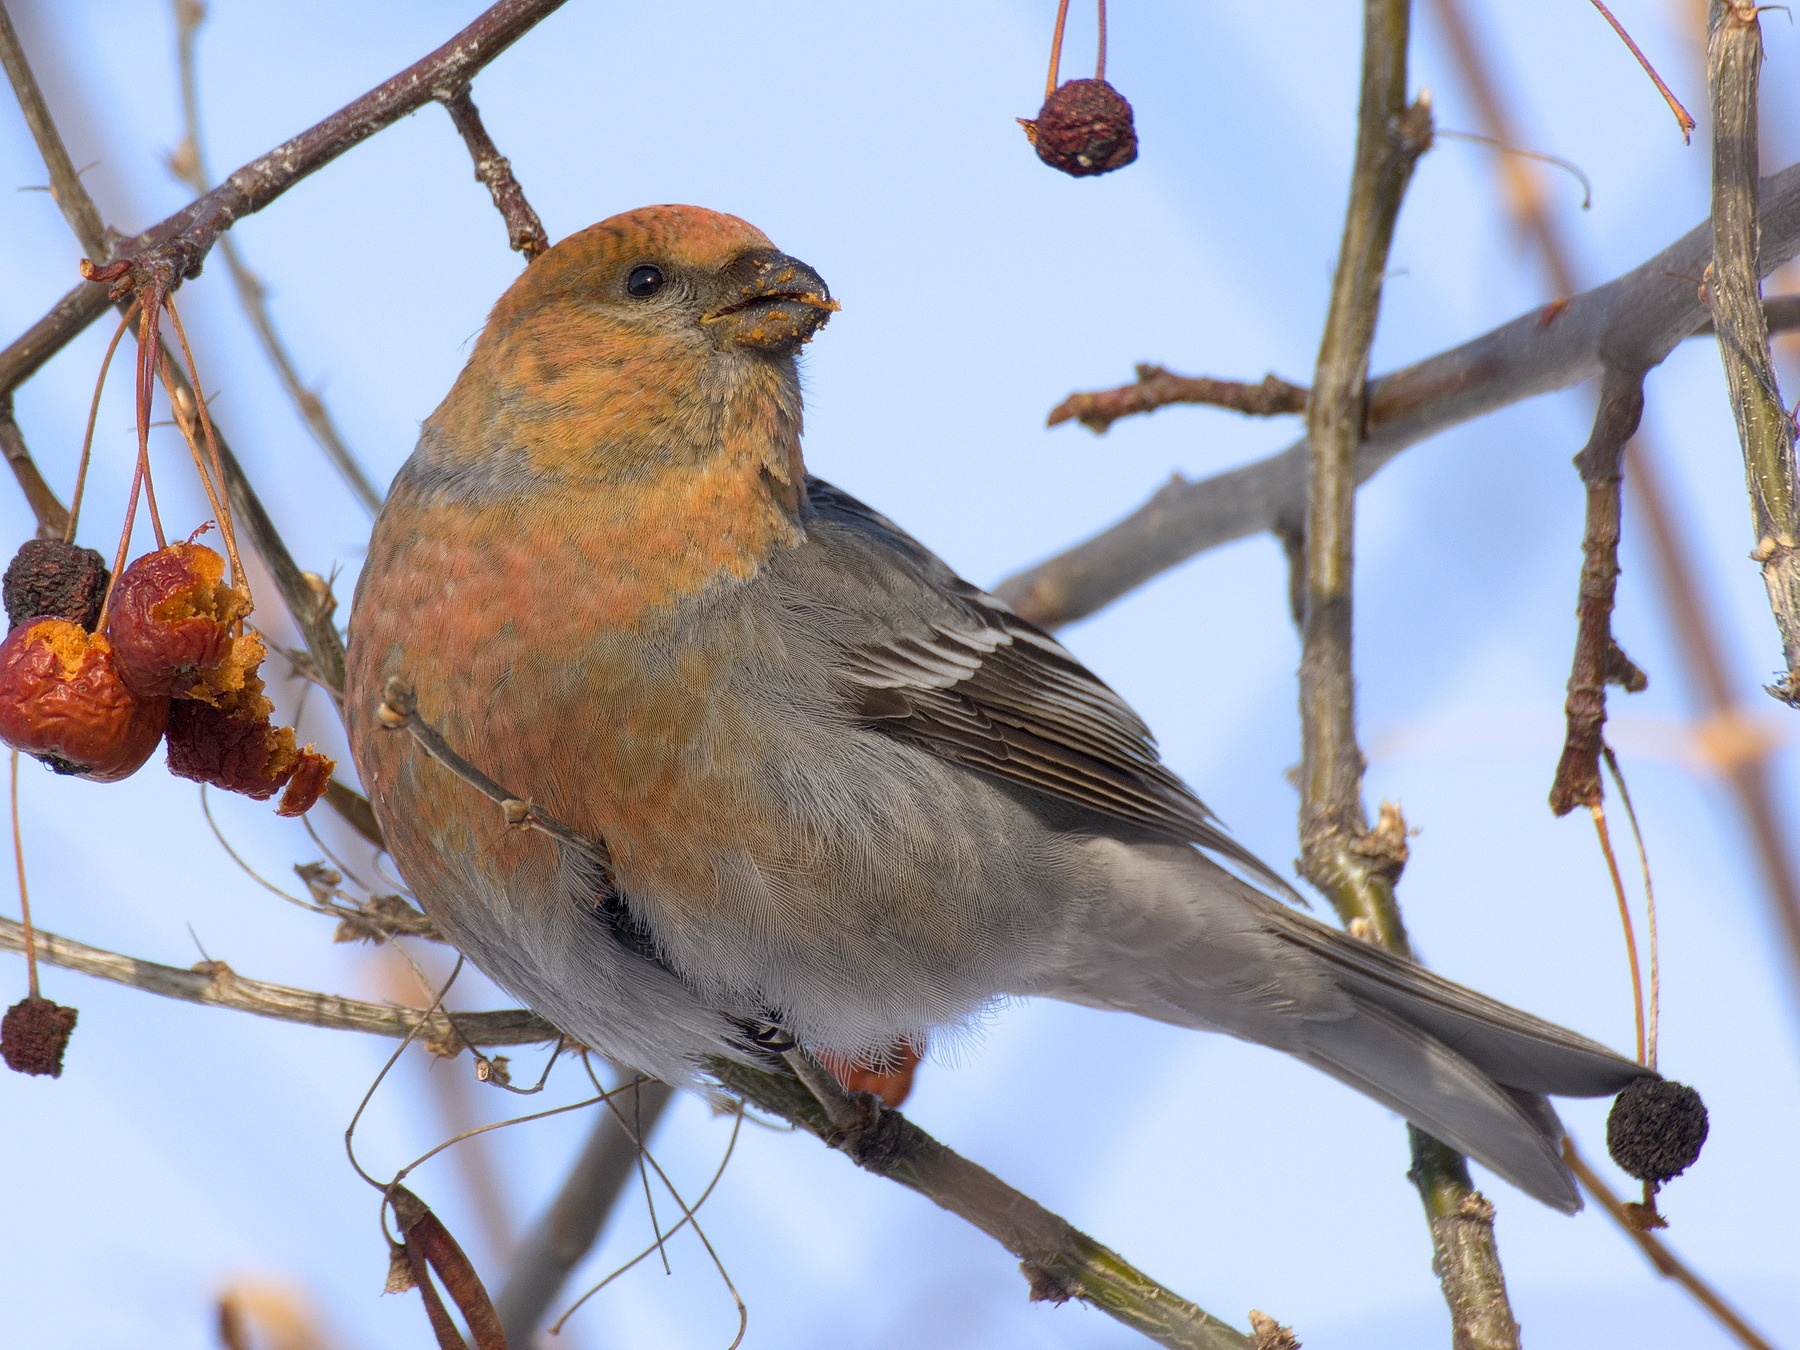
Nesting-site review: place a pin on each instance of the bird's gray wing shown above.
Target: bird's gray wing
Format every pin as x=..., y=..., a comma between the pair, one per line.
x=939, y=663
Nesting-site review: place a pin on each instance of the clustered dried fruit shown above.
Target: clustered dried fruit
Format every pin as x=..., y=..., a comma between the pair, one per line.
x=33, y=1035
x=63, y=701
x=233, y=744
x=1084, y=128
x=175, y=657
x=1655, y=1129
x=177, y=628
x=48, y=578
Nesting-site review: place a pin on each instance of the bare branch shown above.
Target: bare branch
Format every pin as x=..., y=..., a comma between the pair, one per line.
x=1059, y=1260
x=1598, y=661
x=1157, y=388
x=174, y=248
x=524, y=231
x=1355, y=867
x=65, y=184
x=1734, y=54
x=1636, y=319
x=188, y=164
x=568, y=1229
x=1666, y=1262
x=52, y=515
x=215, y=983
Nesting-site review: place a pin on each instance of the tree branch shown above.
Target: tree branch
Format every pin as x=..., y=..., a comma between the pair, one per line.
x=1636, y=319
x=1158, y=388
x=1666, y=1262
x=176, y=246
x=52, y=515
x=65, y=184
x=524, y=231
x=567, y=1230
x=1352, y=865
x=188, y=164
x=1060, y=1261
x=1734, y=54
x=1598, y=659
x=215, y=983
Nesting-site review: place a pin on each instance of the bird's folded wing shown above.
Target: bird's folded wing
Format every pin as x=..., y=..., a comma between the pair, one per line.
x=931, y=660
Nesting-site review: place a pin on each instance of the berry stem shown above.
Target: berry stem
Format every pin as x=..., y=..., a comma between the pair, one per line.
x=1100, y=63
x=31, y=973
x=1062, y=17
x=1612, y=763
x=146, y=391
x=223, y=504
x=1637, y=983
x=87, y=440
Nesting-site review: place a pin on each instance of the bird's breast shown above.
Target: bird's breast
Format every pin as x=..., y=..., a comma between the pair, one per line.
x=544, y=639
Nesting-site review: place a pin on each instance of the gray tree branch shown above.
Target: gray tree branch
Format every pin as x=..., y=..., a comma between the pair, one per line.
x=1636, y=320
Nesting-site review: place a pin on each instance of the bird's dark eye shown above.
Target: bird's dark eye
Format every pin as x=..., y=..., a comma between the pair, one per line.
x=644, y=281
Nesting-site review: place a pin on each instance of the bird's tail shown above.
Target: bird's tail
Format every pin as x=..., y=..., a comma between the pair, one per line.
x=1465, y=1068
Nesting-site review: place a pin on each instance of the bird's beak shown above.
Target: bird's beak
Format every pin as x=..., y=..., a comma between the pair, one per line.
x=772, y=303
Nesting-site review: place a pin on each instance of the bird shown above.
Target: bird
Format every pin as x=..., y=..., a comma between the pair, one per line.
x=839, y=792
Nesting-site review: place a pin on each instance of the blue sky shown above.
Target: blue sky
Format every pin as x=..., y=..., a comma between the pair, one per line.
x=186, y=1148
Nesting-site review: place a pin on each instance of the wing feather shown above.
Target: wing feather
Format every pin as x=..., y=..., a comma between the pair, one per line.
x=955, y=671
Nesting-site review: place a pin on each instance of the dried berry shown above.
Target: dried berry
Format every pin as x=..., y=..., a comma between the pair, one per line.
x=891, y=1080
x=48, y=578
x=1084, y=128
x=1655, y=1129
x=174, y=625
x=33, y=1035
x=232, y=744
x=62, y=700
x=306, y=784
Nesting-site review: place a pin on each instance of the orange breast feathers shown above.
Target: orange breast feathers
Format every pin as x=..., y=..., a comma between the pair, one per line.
x=536, y=636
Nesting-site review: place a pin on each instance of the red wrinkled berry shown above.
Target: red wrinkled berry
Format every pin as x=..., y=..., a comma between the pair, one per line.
x=232, y=745
x=33, y=1035
x=62, y=701
x=1084, y=128
x=48, y=578
x=175, y=625
x=306, y=784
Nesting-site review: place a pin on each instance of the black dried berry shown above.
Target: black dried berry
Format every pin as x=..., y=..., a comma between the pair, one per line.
x=1084, y=128
x=50, y=579
x=33, y=1035
x=1655, y=1129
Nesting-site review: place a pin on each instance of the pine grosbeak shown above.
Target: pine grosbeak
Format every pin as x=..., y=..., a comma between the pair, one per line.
x=845, y=792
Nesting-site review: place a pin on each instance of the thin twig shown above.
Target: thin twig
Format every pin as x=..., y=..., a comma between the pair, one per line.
x=1355, y=867
x=1158, y=388
x=1637, y=836
x=1734, y=55
x=524, y=231
x=52, y=516
x=1698, y=645
x=567, y=1230
x=214, y=983
x=190, y=166
x=18, y=840
x=175, y=247
x=399, y=711
x=1639, y=318
x=1598, y=812
x=1598, y=660
x=1666, y=1262
x=1683, y=118
x=65, y=183
x=1060, y=1261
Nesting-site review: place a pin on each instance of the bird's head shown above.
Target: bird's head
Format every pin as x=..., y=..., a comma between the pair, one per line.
x=656, y=336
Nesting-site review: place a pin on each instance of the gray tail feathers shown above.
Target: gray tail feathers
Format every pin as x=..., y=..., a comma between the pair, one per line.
x=1515, y=1133
x=1465, y=1068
